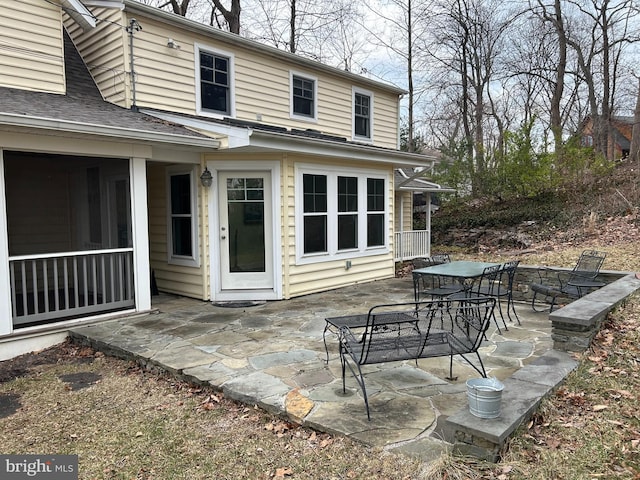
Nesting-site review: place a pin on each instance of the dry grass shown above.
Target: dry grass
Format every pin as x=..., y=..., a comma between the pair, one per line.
x=134, y=424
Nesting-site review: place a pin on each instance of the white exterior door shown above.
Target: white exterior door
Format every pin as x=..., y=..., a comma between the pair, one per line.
x=245, y=235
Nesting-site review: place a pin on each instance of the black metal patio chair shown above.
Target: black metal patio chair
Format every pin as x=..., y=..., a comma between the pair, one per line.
x=574, y=284
x=487, y=285
x=432, y=287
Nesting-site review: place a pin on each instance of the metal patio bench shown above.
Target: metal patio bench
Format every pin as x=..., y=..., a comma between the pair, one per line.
x=407, y=331
x=575, y=284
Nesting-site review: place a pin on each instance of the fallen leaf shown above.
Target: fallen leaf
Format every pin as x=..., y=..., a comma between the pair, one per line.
x=283, y=472
x=599, y=408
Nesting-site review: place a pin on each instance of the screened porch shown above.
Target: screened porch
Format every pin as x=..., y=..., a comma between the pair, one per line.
x=69, y=235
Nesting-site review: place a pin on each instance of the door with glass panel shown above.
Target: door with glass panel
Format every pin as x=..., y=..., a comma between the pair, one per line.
x=245, y=230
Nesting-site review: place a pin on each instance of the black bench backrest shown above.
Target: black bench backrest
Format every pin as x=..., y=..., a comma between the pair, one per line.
x=414, y=330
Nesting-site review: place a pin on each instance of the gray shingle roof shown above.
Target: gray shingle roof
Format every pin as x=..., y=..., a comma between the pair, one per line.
x=82, y=103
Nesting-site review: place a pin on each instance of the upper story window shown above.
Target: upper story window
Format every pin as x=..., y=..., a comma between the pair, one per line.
x=343, y=214
x=362, y=115
x=303, y=97
x=182, y=216
x=215, y=83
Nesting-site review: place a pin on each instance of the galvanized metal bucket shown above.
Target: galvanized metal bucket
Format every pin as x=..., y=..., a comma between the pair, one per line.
x=485, y=396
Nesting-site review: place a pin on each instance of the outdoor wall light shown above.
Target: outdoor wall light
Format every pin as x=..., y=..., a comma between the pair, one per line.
x=171, y=43
x=206, y=178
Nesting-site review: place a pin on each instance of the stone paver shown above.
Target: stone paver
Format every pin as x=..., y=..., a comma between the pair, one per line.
x=272, y=355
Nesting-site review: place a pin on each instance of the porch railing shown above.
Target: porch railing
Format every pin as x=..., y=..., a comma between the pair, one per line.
x=68, y=285
x=412, y=244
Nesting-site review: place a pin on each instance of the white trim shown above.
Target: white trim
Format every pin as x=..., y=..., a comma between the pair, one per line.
x=194, y=259
x=140, y=233
x=332, y=252
x=197, y=47
x=214, y=228
x=368, y=93
x=6, y=321
x=311, y=78
x=57, y=126
x=76, y=10
x=254, y=140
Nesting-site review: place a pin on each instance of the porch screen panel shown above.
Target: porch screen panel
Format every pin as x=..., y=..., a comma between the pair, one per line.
x=245, y=204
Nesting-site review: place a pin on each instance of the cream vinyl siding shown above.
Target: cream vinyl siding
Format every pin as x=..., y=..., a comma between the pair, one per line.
x=166, y=79
x=105, y=52
x=179, y=280
x=403, y=211
x=322, y=276
x=31, y=47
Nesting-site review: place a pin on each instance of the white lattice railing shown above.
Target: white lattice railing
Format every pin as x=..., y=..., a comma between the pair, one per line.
x=412, y=244
x=65, y=285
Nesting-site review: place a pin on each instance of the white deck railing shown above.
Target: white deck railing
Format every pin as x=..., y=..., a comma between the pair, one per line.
x=66, y=285
x=412, y=244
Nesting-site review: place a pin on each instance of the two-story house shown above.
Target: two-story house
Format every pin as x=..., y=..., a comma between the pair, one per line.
x=139, y=148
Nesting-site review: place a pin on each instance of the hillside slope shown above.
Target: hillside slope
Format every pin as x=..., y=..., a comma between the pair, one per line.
x=600, y=211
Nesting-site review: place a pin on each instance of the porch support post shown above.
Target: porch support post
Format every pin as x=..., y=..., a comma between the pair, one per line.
x=140, y=227
x=6, y=322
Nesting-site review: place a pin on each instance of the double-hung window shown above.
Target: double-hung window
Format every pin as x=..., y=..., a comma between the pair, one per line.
x=315, y=213
x=375, y=212
x=303, y=97
x=362, y=115
x=215, y=83
x=343, y=213
x=347, y=212
x=182, y=217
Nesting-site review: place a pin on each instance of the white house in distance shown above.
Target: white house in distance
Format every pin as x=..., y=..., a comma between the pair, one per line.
x=138, y=147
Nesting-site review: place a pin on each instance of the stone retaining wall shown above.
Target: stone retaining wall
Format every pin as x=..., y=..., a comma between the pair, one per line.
x=574, y=325
x=573, y=328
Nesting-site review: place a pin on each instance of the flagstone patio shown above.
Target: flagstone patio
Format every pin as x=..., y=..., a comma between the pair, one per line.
x=272, y=355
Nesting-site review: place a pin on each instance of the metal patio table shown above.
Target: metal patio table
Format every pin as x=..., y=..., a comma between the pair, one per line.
x=463, y=271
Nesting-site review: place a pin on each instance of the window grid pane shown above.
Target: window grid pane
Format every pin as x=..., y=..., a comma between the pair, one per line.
x=303, y=101
x=181, y=215
x=214, y=82
x=362, y=119
x=347, y=194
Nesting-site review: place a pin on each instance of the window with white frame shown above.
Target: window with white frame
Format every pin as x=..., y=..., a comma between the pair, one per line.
x=375, y=212
x=182, y=216
x=343, y=213
x=215, y=82
x=362, y=114
x=303, y=97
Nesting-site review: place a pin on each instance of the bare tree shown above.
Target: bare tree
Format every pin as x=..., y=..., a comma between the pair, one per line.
x=634, y=151
x=231, y=15
x=178, y=7
x=607, y=30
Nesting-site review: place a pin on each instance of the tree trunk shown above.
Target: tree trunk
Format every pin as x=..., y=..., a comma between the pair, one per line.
x=292, y=28
x=634, y=151
x=232, y=16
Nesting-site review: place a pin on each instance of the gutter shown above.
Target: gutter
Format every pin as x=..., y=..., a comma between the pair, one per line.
x=106, y=131
x=249, y=139
x=312, y=146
